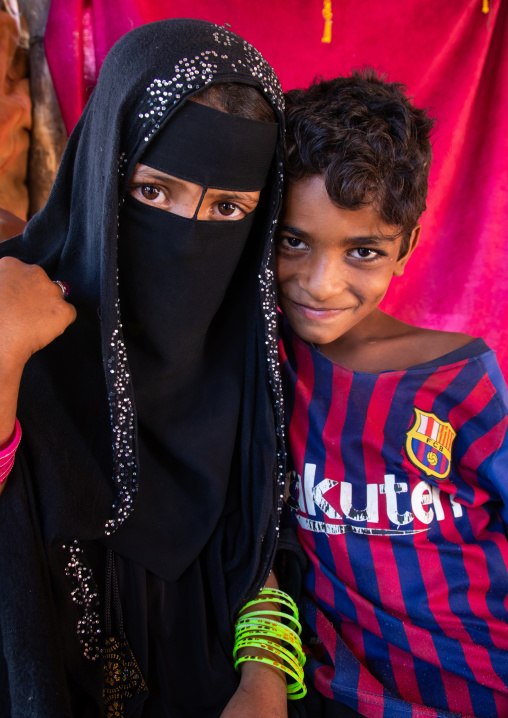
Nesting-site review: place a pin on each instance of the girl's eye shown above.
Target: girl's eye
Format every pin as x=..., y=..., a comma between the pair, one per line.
x=150, y=192
x=226, y=209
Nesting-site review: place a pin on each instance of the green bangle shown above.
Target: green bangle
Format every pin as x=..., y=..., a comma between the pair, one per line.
x=271, y=647
x=292, y=688
x=267, y=625
x=293, y=641
x=265, y=629
x=293, y=645
x=275, y=596
x=298, y=655
x=282, y=595
x=261, y=614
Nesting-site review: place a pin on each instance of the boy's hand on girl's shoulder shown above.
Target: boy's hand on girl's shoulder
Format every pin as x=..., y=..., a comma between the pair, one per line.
x=261, y=694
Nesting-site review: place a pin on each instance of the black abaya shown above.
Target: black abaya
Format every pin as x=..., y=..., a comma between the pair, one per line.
x=78, y=473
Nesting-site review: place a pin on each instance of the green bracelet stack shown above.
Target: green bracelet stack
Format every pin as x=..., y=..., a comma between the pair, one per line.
x=277, y=632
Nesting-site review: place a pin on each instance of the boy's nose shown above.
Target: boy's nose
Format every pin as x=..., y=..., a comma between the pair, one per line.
x=324, y=279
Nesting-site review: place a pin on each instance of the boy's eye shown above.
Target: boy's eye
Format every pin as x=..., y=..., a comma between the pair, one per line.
x=291, y=243
x=364, y=253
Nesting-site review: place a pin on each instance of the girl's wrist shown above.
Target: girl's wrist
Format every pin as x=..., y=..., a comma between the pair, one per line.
x=11, y=367
x=252, y=672
x=10, y=380
x=8, y=453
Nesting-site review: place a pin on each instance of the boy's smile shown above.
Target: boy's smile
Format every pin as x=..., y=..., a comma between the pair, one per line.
x=334, y=265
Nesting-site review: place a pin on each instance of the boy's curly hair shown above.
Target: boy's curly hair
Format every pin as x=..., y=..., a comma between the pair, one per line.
x=367, y=139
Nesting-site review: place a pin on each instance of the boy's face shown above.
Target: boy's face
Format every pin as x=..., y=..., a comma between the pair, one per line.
x=333, y=265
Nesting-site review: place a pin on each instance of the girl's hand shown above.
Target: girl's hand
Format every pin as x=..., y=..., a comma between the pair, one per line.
x=261, y=694
x=33, y=312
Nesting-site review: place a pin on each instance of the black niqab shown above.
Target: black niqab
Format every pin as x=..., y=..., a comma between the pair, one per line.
x=182, y=294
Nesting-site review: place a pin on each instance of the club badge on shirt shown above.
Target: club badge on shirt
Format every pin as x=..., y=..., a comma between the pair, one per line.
x=429, y=444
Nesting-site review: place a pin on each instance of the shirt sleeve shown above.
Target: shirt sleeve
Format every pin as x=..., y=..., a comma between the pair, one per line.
x=487, y=453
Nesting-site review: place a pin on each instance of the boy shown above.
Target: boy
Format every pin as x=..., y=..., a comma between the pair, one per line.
x=397, y=434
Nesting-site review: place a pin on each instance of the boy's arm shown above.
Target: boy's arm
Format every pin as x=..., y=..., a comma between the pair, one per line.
x=483, y=442
x=262, y=691
x=497, y=472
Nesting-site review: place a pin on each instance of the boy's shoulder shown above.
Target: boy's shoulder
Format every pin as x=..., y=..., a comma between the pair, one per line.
x=392, y=345
x=420, y=345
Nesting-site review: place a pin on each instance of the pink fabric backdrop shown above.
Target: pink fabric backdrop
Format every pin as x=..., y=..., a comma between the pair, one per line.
x=453, y=59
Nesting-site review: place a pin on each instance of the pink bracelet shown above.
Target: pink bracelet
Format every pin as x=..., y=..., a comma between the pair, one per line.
x=8, y=454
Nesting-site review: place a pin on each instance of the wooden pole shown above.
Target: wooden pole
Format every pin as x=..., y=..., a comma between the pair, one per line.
x=48, y=132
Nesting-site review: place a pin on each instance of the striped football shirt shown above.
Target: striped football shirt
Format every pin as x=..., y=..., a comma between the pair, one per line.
x=399, y=495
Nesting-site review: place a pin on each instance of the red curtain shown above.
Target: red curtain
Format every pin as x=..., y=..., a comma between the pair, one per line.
x=453, y=57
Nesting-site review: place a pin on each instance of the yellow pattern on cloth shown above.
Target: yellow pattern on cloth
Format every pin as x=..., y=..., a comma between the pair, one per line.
x=122, y=677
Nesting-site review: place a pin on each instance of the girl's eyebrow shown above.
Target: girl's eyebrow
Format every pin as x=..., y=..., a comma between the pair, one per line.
x=147, y=173
x=235, y=196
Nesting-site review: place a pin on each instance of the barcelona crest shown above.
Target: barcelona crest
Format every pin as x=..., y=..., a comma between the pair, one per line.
x=429, y=444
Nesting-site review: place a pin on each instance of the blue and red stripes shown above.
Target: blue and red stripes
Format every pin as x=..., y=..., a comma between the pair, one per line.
x=408, y=581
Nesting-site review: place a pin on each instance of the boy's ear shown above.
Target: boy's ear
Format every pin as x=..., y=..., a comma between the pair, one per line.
x=402, y=261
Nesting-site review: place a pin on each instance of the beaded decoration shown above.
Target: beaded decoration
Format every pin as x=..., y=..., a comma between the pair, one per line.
x=193, y=73
x=84, y=594
x=122, y=421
